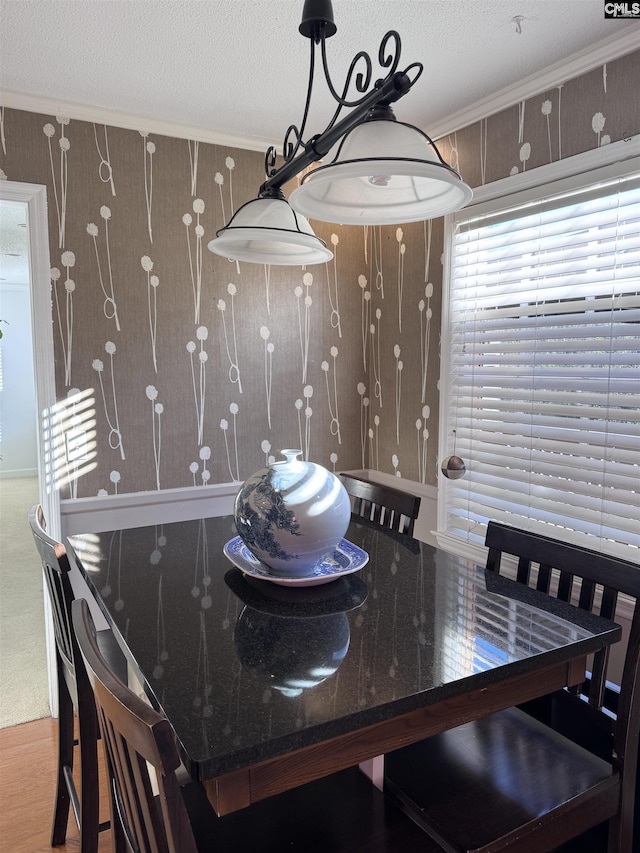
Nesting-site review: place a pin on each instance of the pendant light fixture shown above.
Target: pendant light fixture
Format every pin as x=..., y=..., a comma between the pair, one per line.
x=378, y=171
x=267, y=230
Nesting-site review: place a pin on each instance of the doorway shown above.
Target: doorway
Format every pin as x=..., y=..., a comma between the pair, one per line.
x=31, y=315
x=18, y=438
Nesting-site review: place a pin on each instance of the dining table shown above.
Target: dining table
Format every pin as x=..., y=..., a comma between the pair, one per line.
x=271, y=685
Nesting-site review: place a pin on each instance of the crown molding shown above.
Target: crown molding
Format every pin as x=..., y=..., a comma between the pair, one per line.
x=623, y=42
x=115, y=118
x=613, y=47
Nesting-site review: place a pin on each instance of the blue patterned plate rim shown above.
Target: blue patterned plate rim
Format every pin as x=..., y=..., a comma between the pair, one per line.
x=346, y=558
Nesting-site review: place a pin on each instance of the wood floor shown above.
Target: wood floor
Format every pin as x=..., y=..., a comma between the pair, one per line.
x=27, y=789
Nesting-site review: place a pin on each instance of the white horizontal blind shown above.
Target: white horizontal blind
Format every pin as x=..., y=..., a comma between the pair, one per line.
x=544, y=368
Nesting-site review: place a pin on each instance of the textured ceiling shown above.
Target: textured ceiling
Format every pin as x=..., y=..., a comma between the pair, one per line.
x=240, y=66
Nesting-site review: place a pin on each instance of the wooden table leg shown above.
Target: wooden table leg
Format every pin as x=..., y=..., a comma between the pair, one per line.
x=230, y=792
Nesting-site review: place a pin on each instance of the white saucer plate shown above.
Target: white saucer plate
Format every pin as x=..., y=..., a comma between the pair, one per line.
x=347, y=558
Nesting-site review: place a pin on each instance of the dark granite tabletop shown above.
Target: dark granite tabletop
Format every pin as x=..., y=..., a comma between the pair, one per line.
x=246, y=670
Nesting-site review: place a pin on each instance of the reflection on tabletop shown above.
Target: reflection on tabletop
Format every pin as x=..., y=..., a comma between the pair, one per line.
x=220, y=650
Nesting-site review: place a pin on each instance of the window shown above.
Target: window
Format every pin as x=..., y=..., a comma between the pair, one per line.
x=541, y=366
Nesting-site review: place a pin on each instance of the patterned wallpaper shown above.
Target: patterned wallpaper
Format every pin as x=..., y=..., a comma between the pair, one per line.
x=175, y=367
x=576, y=116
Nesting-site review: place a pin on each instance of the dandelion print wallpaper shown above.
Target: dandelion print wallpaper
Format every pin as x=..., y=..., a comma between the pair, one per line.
x=575, y=116
x=178, y=368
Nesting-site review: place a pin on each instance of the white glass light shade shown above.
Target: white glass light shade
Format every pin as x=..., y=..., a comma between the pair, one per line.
x=268, y=231
x=367, y=186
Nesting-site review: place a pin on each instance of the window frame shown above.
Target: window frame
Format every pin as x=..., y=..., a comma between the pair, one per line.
x=608, y=162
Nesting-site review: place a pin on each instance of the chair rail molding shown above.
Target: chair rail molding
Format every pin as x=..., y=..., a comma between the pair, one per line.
x=138, y=509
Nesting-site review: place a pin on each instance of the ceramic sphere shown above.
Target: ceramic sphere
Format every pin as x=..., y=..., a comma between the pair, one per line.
x=292, y=514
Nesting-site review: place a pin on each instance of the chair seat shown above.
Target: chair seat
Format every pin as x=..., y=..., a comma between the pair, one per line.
x=497, y=778
x=342, y=813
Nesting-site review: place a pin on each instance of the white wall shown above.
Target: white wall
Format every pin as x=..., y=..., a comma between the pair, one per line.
x=18, y=424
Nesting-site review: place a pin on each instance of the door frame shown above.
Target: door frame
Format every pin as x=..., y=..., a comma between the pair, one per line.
x=35, y=198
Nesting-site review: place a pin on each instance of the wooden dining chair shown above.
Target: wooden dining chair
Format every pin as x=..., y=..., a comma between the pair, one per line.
x=74, y=694
x=343, y=813
x=384, y=505
x=512, y=782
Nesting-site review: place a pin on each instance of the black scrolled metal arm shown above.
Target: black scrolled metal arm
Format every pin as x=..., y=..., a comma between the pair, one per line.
x=290, y=148
x=362, y=83
x=419, y=69
x=386, y=91
x=389, y=60
x=363, y=78
x=270, y=159
x=363, y=75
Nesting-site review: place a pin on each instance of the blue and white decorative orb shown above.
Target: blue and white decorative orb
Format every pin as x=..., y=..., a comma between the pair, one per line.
x=292, y=514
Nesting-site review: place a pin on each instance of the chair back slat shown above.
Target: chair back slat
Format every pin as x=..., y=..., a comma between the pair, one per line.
x=609, y=602
x=587, y=595
x=614, y=709
x=383, y=505
x=565, y=585
x=376, y=515
x=141, y=807
x=125, y=800
x=135, y=736
x=543, y=583
x=133, y=815
x=524, y=570
x=597, y=682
